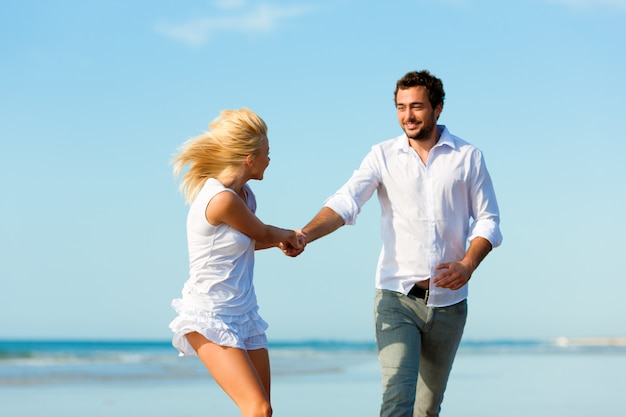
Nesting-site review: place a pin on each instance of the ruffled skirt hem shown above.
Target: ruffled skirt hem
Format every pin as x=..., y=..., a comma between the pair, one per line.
x=246, y=331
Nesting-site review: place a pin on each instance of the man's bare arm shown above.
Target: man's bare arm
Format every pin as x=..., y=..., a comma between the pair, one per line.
x=325, y=222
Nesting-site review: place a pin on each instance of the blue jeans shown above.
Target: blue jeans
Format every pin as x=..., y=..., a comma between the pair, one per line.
x=416, y=348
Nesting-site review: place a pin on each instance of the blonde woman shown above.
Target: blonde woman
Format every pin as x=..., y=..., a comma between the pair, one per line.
x=218, y=316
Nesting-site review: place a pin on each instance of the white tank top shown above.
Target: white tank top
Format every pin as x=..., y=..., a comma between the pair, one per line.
x=221, y=259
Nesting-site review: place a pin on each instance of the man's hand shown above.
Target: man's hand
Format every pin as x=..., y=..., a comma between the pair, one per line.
x=292, y=251
x=325, y=221
x=454, y=276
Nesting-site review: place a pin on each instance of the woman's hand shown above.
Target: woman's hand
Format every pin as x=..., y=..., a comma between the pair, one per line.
x=295, y=246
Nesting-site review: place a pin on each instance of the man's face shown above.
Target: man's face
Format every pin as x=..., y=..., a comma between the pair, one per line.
x=416, y=115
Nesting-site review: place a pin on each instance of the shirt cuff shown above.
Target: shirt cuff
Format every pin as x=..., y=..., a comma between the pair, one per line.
x=344, y=206
x=487, y=229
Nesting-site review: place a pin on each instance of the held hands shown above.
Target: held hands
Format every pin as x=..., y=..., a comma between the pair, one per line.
x=294, y=247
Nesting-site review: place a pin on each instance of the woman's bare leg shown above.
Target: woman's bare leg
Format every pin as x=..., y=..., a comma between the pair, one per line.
x=234, y=371
x=261, y=361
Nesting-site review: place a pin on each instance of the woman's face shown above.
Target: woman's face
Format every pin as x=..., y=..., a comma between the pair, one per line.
x=261, y=161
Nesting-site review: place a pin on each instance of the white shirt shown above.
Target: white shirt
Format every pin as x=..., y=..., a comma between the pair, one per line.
x=221, y=259
x=428, y=212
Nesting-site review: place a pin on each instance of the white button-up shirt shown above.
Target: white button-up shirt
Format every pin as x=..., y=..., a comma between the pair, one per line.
x=428, y=212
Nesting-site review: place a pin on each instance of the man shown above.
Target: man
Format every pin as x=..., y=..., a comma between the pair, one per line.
x=435, y=195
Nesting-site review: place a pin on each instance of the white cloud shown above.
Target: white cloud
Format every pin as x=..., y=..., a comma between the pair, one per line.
x=262, y=19
x=619, y=4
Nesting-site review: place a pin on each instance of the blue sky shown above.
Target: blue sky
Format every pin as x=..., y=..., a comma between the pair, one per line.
x=95, y=97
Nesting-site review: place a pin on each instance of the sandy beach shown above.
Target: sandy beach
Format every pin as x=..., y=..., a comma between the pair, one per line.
x=484, y=384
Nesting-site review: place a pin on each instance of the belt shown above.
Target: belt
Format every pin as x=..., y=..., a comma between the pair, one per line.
x=419, y=292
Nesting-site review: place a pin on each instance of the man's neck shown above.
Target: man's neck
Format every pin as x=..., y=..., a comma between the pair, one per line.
x=424, y=145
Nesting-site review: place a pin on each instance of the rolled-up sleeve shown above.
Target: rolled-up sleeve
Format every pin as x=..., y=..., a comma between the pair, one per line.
x=350, y=198
x=484, y=206
x=488, y=228
x=345, y=206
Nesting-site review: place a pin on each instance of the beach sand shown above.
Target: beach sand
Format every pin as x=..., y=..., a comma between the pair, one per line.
x=292, y=396
x=482, y=385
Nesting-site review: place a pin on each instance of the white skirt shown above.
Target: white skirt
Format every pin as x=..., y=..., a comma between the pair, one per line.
x=246, y=331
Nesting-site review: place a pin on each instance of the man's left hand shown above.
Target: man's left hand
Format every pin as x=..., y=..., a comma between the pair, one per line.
x=454, y=275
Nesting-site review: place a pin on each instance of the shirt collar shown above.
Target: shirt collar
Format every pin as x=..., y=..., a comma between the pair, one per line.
x=445, y=139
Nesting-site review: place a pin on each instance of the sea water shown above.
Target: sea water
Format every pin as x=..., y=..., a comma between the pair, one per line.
x=309, y=378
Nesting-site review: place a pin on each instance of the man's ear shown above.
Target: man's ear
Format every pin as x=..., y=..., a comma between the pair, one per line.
x=438, y=109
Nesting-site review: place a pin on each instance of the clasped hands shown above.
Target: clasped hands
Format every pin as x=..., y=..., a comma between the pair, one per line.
x=294, y=248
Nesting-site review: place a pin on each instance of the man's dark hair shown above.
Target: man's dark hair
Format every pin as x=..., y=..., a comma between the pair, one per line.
x=433, y=85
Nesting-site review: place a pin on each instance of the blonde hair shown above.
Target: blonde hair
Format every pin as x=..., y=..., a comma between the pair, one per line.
x=232, y=136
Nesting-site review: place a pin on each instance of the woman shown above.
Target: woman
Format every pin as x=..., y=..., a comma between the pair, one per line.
x=218, y=316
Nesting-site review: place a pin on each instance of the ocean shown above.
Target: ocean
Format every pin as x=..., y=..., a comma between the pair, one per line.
x=559, y=377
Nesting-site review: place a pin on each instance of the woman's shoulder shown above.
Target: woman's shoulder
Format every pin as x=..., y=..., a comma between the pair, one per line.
x=210, y=189
x=212, y=186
